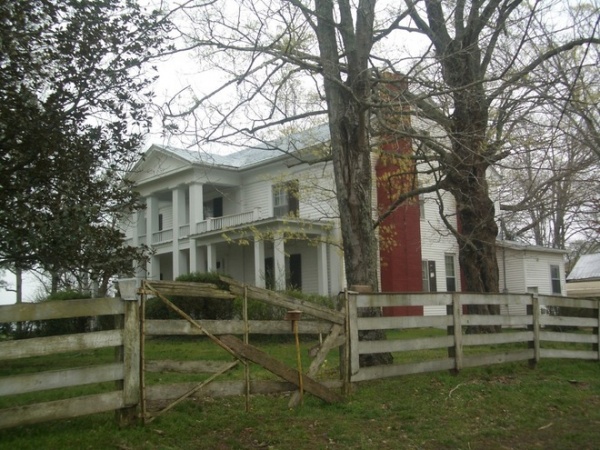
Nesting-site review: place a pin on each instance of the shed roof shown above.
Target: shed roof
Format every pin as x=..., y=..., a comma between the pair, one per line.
x=586, y=268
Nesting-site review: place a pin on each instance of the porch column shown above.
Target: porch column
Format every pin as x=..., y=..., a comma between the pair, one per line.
x=259, y=262
x=196, y=206
x=154, y=268
x=279, y=262
x=151, y=219
x=138, y=229
x=194, y=256
x=211, y=258
x=322, y=277
x=175, y=195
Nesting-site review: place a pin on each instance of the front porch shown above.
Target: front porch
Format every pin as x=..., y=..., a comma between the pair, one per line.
x=275, y=253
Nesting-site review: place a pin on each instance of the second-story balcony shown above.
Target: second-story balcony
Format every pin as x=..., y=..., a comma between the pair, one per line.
x=162, y=236
x=230, y=221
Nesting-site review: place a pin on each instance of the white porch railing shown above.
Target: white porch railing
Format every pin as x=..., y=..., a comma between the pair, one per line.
x=162, y=236
x=184, y=231
x=233, y=220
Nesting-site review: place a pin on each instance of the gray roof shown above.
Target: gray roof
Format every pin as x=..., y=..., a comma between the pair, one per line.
x=587, y=267
x=253, y=155
x=515, y=245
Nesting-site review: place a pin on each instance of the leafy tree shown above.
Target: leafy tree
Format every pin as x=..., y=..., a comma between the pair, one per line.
x=74, y=97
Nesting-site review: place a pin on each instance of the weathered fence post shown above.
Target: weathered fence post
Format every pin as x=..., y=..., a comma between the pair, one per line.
x=596, y=346
x=533, y=310
x=129, y=354
x=354, y=360
x=456, y=351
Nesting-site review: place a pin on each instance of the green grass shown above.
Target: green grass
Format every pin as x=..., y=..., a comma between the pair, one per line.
x=556, y=406
x=509, y=406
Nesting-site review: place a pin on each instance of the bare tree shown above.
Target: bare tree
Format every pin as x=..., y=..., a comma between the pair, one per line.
x=473, y=72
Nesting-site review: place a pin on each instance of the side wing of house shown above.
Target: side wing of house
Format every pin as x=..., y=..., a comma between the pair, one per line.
x=531, y=269
x=511, y=267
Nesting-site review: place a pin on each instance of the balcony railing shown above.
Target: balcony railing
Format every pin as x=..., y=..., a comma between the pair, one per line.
x=162, y=236
x=231, y=221
x=184, y=231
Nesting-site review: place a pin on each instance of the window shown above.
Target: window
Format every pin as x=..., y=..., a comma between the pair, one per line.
x=450, y=273
x=160, y=223
x=285, y=199
x=428, y=275
x=555, y=278
x=421, y=207
x=213, y=208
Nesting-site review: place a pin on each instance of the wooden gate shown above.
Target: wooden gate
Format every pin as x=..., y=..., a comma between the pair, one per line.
x=330, y=322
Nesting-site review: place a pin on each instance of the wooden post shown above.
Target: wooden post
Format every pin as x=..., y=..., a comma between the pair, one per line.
x=246, y=341
x=534, y=311
x=130, y=357
x=294, y=316
x=354, y=357
x=142, y=356
x=346, y=349
x=457, y=329
x=596, y=346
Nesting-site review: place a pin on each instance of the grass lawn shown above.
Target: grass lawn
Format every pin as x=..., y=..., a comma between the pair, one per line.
x=510, y=406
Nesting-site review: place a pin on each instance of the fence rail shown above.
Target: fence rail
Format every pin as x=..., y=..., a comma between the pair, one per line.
x=552, y=327
x=524, y=337
x=123, y=372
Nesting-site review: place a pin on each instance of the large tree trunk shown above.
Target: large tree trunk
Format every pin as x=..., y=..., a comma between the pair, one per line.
x=475, y=210
x=350, y=146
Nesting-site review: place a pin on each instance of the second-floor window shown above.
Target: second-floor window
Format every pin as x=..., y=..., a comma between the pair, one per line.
x=213, y=208
x=285, y=199
x=555, y=278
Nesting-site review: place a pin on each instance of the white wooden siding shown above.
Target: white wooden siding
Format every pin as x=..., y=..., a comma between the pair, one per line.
x=436, y=241
x=514, y=264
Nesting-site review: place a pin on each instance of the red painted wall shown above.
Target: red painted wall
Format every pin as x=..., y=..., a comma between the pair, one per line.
x=400, y=233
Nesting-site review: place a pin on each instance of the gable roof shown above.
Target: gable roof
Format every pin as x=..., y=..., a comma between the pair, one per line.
x=251, y=156
x=586, y=268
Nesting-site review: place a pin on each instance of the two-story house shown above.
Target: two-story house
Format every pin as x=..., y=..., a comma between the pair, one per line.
x=263, y=215
x=267, y=216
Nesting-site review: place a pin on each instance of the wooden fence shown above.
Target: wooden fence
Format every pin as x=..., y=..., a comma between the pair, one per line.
x=552, y=328
x=124, y=371
x=159, y=397
x=550, y=322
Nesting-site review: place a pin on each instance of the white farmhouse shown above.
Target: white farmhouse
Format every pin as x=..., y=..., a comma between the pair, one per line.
x=267, y=216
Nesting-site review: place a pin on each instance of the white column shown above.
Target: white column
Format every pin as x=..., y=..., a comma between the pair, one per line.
x=211, y=258
x=194, y=257
x=259, y=262
x=279, y=262
x=196, y=206
x=323, y=280
x=135, y=226
x=151, y=218
x=154, y=268
x=178, y=205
